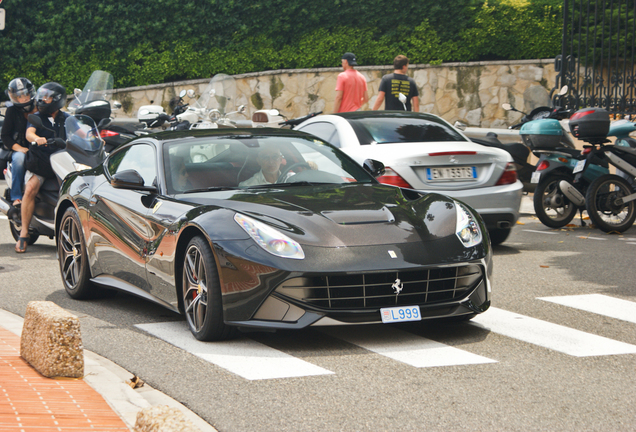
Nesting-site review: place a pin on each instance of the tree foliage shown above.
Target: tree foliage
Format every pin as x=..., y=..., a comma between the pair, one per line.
x=153, y=41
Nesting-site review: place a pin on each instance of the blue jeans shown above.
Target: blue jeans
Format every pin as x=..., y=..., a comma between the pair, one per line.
x=17, y=175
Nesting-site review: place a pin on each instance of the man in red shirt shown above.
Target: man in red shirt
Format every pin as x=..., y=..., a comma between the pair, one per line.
x=351, y=87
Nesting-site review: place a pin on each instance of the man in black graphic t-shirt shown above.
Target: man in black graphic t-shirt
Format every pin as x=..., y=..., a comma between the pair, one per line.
x=392, y=85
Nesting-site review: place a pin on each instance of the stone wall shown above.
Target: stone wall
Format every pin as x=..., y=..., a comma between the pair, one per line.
x=468, y=92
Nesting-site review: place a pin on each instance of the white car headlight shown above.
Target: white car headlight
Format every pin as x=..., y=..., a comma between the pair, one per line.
x=269, y=238
x=467, y=229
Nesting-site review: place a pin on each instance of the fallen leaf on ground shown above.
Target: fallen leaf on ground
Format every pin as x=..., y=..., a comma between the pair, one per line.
x=135, y=382
x=542, y=266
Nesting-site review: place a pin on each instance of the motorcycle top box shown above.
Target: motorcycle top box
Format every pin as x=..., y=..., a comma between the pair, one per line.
x=544, y=134
x=97, y=110
x=590, y=124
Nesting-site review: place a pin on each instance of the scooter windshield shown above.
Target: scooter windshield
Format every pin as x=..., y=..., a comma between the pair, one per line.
x=98, y=87
x=82, y=134
x=219, y=94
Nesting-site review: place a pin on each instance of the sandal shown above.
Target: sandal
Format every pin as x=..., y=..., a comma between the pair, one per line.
x=21, y=246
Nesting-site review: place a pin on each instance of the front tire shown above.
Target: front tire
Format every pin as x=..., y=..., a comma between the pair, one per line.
x=601, y=204
x=73, y=258
x=202, y=301
x=551, y=206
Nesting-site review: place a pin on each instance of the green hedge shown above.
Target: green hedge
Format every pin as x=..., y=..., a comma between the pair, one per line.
x=153, y=41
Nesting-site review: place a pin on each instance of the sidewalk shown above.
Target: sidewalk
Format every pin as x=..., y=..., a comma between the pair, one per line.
x=527, y=207
x=102, y=401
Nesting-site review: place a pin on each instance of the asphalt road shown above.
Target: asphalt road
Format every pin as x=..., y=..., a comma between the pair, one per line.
x=529, y=363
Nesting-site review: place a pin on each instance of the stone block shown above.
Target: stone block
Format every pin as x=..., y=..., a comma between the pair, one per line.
x=51, y=340
x=163, y=419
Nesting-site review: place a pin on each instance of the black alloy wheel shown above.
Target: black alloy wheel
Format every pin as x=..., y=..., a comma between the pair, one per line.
x=604, y=204
x=202, y=293
x=72, y=256
x=551, y=206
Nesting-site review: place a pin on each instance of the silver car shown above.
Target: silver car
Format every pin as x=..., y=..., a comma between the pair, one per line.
x=424, y=152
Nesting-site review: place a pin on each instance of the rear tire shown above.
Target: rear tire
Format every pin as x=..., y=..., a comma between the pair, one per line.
x=201, y=289
x=73, y=258
x=551, y=206
x=601, y=204
x=15, y=232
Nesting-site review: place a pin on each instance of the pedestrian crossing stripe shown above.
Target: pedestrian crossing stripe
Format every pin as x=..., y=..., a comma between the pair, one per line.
x=255, y=361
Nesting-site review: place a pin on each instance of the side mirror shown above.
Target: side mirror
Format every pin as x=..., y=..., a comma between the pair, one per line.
x=182, y=93
x=130, y=179
x=374, y=167
x=77, y=92
x=105, y=122
x=35, y=120
x=116, y=105
x=190, y=93
x=241, y=109
x=212, y=92
x=563, y=90
x=459, y=125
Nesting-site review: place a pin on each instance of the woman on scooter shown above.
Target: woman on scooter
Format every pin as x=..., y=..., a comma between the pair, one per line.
x=50, y=99
x=21, y=92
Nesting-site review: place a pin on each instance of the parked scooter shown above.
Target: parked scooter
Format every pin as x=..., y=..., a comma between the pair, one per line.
x=95, y=101
x=610, y=199
x=83, y=149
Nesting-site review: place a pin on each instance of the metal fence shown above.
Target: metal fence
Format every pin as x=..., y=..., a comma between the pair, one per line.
x=597, y=55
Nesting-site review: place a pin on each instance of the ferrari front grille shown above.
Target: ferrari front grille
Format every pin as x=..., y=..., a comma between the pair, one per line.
x=384, y=289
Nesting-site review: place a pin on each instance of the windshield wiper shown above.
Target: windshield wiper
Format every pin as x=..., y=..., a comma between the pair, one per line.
x=210, y=189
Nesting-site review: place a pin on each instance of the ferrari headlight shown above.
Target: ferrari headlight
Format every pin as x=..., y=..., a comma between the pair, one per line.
x=467, y=229
x=269, y=238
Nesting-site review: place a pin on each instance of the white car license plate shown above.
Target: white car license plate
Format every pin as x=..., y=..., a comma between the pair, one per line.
x=536, y=176
x=579, y=166
x=400, y=314
x=451, y=174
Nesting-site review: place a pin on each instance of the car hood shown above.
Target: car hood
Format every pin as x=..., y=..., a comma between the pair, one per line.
x=342, y=215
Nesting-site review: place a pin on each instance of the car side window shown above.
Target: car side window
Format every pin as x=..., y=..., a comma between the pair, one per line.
x=138, y=157
x=325, y=131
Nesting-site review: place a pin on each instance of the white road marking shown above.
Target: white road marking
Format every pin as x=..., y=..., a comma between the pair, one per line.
x=552, y=336
x=244, y=357
x=594, y=238
x=540, y=232
x=405, y=347
x=599, y=304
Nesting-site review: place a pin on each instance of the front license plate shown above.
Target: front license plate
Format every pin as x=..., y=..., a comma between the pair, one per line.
x=451, y=174
x=579, y=166
x=535, y=177
x=400, y=314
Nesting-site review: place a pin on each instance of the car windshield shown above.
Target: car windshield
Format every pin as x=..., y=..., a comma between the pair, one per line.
x=253, y=161
x=387, y=130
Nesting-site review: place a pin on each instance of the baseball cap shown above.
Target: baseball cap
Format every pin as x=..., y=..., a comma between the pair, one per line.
x=351, y=58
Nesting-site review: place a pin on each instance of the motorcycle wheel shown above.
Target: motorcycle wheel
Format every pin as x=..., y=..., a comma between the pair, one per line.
x=553, y=208
x=15, y=232
x=602, y=207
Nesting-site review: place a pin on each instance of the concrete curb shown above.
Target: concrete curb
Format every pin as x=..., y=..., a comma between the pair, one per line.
x=109, y=380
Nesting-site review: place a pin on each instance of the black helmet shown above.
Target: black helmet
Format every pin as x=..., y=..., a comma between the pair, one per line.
x=57, y=95
x=21, y=92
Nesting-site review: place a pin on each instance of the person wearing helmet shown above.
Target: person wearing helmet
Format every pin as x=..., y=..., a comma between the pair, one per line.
x=50, y=99
x=21, y=93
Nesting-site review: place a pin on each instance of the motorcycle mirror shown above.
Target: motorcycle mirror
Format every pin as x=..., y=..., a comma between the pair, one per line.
x=77, y=92
x=563, y=90
x=35, y=121
x=190, y=93
x=507, y=107
x=103, y=123
x=182, y=93
x=459, y=125
x=402, y=98
x=241, y=108
x=116, y=105
x=212, y=93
